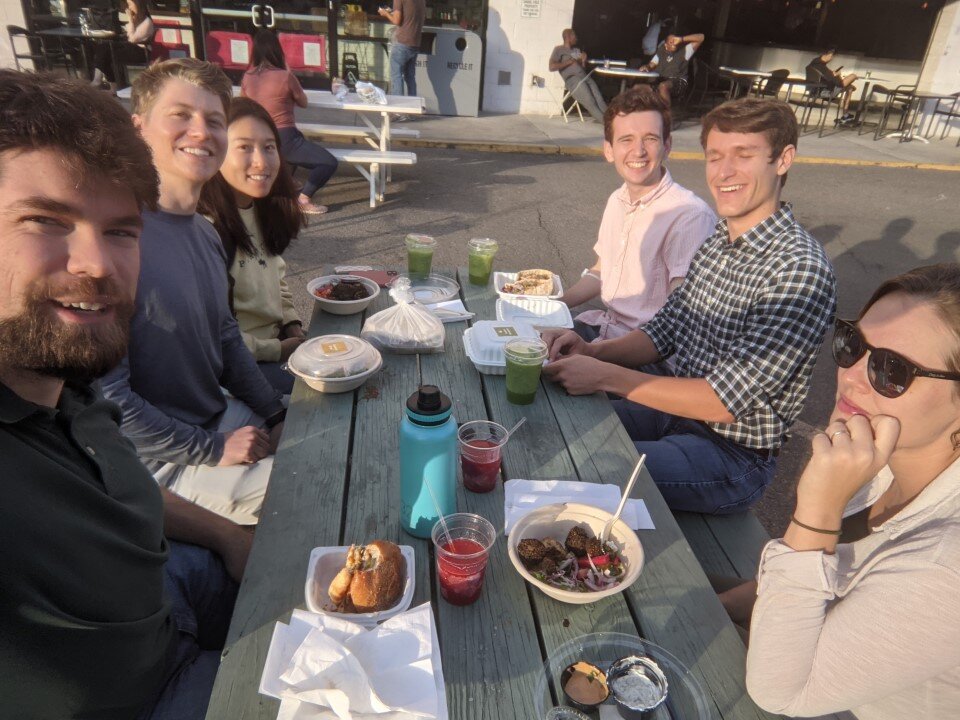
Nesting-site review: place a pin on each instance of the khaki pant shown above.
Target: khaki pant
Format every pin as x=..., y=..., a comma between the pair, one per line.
x=236, y=491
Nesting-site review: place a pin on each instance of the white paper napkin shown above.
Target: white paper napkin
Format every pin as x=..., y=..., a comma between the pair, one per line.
x=450, y=311
x=324, y=668
x=522, y=496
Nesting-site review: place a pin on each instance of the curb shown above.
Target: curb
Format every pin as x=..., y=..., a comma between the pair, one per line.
x=587, y=151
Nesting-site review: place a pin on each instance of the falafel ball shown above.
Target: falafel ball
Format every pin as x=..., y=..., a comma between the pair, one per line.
x=531, y=552
x=577, y=540
x=548, y=565
x=594, y=547
x=555, y=550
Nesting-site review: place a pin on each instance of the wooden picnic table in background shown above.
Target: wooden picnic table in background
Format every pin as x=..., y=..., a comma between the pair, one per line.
x=336, y=481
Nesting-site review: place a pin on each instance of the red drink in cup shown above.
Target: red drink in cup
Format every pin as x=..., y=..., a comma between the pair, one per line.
x=481, y=443
x=462, y=550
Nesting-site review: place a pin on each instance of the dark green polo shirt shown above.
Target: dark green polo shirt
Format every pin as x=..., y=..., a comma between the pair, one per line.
x=85, y=628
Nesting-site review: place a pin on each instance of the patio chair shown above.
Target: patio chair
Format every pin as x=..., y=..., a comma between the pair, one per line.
x=44, y=53
x=773, y=84
x=948, y=114
x=562, y=108
x=898, y=99
x=709, y=84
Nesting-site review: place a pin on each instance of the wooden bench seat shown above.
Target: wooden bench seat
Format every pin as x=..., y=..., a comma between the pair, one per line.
x=725, y=544
x=373, y=160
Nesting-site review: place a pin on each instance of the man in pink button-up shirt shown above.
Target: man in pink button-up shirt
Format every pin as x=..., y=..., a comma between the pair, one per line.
x=651, y=227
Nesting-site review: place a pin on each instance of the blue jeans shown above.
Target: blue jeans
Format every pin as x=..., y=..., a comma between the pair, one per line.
x=297, y=150
x=403, y=69
x=281, y=380
x=695, y=469
x=202, y=597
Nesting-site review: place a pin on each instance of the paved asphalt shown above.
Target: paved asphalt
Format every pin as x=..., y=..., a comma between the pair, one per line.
x=544, y=211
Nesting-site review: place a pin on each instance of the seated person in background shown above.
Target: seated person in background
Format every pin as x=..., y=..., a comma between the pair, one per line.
x=743, y=329
x=100, y=616
x=252, y=204
x=672, y=62
x=185, y=345
x=132, y=49
x=832, y=81
x=571, y=62
x=270, y=83
x=651, y=227
x=867, y=568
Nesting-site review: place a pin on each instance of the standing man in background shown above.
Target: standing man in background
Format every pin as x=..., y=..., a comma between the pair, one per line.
x=408, y=16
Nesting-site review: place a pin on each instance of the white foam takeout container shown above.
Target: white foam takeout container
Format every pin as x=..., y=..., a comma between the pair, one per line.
x=484, y=343
x=326, y=562
x=538, y=312
x=502, y=278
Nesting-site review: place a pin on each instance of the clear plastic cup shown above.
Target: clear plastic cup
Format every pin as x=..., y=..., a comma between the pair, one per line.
x=480, y=260
x=419, y=255
x=462, y=556
x=524, y=362
x=481, y=445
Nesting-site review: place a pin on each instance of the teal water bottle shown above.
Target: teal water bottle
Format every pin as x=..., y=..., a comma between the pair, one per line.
x=428, y=456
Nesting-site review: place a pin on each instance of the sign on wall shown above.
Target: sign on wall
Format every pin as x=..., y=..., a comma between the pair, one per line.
x=530, y=8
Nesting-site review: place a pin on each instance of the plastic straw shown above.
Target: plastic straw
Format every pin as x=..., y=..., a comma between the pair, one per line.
x=512, y=430
x=443, y=523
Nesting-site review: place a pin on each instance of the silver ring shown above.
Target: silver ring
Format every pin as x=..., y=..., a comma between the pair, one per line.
x=837, y=432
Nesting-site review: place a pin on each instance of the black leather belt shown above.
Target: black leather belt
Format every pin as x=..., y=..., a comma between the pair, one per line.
x=765, y=453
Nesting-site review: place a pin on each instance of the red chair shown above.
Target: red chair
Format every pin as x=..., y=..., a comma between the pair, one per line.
x=307, y=53
x=168, y=43
x=229, y=50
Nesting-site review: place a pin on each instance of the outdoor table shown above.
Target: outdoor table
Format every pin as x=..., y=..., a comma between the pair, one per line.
x=84, y=39
x=913, y=112
x=607, y=62
x=336, y=481
x=736, y=74
x=626, y=73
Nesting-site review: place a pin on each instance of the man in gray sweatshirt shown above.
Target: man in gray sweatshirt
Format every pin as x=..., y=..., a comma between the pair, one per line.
x=185, y=344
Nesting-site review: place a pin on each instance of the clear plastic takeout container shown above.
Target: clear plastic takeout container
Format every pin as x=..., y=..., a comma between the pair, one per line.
x=538, y=312
x=331, y=357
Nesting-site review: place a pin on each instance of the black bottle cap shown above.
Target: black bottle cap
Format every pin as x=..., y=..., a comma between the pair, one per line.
x=428, y=400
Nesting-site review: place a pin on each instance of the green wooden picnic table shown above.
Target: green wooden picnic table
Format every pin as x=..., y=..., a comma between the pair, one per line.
x=336, y=481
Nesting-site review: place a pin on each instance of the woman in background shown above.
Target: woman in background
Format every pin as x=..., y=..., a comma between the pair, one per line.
x=270, y=83
x=252, y=204
x=132, y=49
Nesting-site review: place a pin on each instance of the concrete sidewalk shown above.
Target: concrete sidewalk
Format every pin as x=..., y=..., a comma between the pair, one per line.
x=540, y=134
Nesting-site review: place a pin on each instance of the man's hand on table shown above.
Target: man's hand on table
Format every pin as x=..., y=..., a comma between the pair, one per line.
x=245, y=445
x=577, y=374
x=564, y=342
x=288, y=346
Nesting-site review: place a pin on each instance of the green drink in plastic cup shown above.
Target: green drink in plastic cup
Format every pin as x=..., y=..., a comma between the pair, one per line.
x=419, y=255
x=524, y=362
x=480, y=262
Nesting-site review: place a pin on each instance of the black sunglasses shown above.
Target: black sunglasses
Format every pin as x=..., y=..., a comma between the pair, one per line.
x=890, y=373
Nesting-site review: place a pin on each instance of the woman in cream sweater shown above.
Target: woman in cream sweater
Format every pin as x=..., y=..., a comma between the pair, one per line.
x=858, y=607
x=252, y=204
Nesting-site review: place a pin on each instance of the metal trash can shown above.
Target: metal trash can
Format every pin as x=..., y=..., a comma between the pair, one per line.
x=448, y=71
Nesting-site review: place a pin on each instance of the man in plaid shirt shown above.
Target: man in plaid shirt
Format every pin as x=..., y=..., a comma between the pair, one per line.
x=743, y=330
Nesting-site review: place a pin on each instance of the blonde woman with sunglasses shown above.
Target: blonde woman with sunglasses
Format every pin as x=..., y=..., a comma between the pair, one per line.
x=858, y=607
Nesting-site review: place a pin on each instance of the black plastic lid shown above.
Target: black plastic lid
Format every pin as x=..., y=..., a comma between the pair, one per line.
x=428, y=400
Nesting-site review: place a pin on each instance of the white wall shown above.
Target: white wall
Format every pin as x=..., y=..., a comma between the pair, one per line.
x=941, y=67
x=11, y=13
x=521, y=47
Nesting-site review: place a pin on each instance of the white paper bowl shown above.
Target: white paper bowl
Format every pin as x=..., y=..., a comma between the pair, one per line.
x=326, y=562
x=555, y=521
x=338, y=385
x=343, y=307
